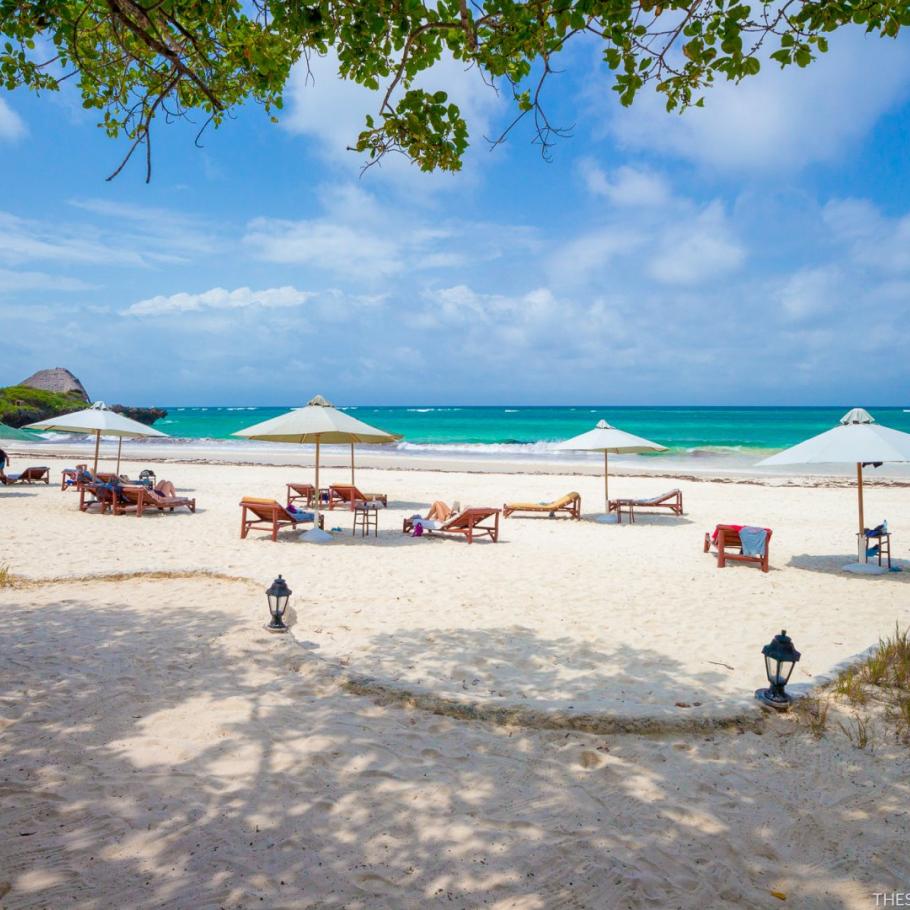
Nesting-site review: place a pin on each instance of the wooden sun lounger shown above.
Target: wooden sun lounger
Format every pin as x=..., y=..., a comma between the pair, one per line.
x=104, y=498
x=145, y=499
x=466, y=523
x=570, y=504
x=671, y=500
x=267, y=515
x=29, y=475
x=69, y=477
x=726, y=538
x=347, y=494
x=302, y=492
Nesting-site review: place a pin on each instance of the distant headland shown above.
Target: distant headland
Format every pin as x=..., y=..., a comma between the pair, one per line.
x=50, y=393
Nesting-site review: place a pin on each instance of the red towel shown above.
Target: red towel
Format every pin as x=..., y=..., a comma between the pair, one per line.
x=736, y=528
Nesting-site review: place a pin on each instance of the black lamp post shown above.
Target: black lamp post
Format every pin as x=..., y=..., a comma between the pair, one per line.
x=278, y=595
x=780, y=659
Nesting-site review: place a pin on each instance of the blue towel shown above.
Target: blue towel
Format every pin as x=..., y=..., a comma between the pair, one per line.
x=753, y=541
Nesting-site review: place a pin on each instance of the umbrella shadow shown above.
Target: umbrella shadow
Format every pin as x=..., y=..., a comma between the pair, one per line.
x=833, y=564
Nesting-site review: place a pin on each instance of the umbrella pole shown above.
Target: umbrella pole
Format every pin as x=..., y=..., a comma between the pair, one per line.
x=318, y=495
x=606, y=485
x=859, y=493
x=119, y=448
x=352, y=465
x=97, y=444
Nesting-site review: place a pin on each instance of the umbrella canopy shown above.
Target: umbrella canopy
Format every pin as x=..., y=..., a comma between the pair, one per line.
x=605, y=438
x=857, y=440
x=319, y=422
x=101, y=421
x=12, y=433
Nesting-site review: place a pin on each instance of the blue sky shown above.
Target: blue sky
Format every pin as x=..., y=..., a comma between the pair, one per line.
x=754, y=252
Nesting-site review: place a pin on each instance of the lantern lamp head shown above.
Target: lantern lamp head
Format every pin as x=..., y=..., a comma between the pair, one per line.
x=780, y=659
x=278, y=595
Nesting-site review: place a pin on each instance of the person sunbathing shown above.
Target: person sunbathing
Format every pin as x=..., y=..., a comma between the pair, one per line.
x=439, y=511
x=165, y=488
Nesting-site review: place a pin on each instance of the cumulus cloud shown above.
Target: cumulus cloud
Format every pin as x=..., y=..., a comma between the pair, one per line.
x=698, y=248
x=11, y=125
x=626, y=186
x=218, y=299
x=780, y=119
x=359, y=237
x=871, y=238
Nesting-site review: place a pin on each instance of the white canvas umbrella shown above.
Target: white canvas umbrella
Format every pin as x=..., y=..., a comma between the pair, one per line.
x=101, y=421
x=319, y=422
x=605, y=438
x=858, y=440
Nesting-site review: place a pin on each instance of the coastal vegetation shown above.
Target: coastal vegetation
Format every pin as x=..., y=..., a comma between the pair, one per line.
x=875, y=692
x=134, y=61
x=20, y=404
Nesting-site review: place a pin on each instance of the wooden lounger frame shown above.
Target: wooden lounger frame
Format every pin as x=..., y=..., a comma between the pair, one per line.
x=30, y=475
x=302, y=492
x=347, y=494
x=671, y=500
x=466, y=523
x=268, y=515
x=145, y=499
x=727, y=539
x=570, y=504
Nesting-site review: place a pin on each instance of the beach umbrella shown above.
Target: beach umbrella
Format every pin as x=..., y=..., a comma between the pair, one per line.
x=608, y=439
x=857, y=440
x=320, y=422
x=101, y=421
x=18, y=435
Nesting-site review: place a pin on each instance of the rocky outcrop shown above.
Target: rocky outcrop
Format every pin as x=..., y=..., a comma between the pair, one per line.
x=50, y=393
x=144, y=415
x=58, y=380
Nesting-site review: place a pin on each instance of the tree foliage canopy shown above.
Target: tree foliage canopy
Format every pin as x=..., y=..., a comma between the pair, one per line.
x=138, y=60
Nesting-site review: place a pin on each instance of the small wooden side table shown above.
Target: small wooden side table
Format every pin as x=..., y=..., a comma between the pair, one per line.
x=366, y=516
x=883, y=541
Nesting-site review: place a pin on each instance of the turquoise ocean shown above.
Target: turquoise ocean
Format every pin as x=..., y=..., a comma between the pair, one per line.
x=686, y=431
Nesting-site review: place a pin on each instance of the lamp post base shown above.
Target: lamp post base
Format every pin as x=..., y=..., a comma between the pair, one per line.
x=270, y=628
x=767, y=699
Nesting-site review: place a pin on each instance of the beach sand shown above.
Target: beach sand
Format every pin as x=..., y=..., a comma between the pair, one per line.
x=159, y=749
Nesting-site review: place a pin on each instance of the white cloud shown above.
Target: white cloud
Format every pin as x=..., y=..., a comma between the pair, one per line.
x=11, y=124
x=358, y=237
x=163, y=234
x=626, y=186
x=13, y=282
x=780, y=118
x=811, y=292
x=219, y=299
x=697, y=249
x=871, y=238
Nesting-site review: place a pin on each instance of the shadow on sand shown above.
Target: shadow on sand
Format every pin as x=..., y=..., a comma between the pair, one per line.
x=181, y=757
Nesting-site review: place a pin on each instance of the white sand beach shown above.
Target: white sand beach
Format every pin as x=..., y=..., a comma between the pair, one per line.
x=159, y=749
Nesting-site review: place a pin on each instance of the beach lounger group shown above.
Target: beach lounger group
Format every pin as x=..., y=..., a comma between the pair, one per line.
x=729, y=545
x=108, y=496
x=672, y=500
x=471, y=523
x=269, y=515
x=569, y=505
x=29, y=475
